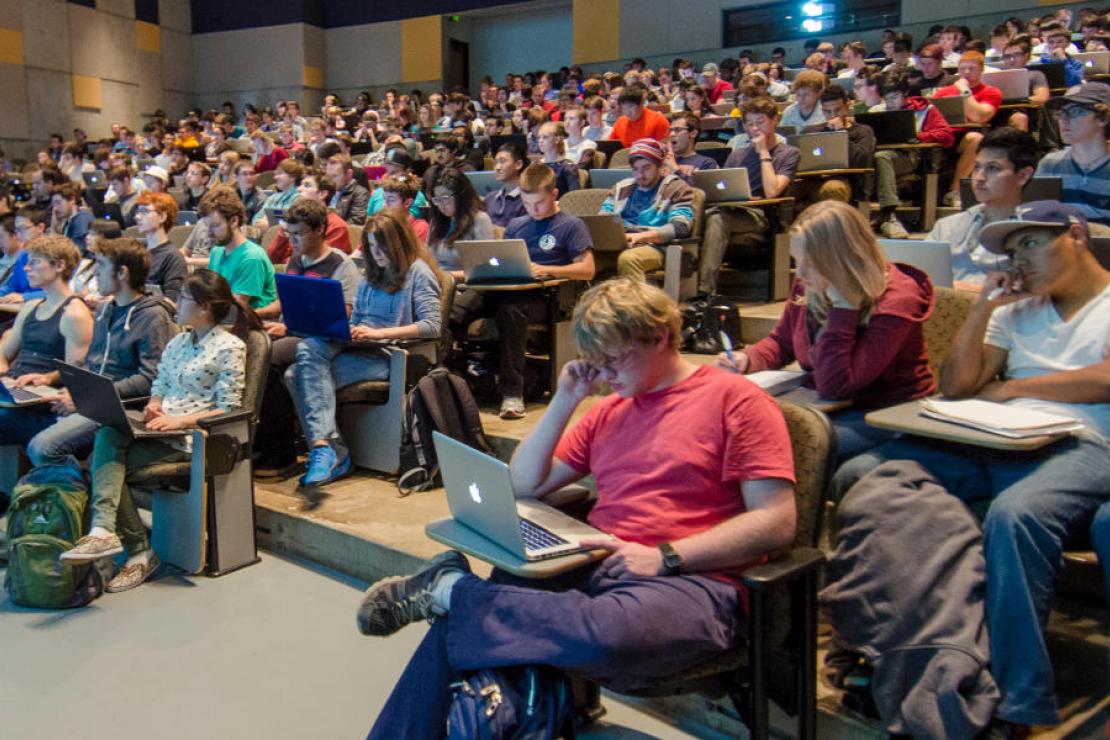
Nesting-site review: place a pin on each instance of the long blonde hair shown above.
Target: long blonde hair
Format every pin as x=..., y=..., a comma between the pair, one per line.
x=838, y=242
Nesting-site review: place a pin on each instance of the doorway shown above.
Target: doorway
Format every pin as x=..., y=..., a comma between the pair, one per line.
x=457, y=74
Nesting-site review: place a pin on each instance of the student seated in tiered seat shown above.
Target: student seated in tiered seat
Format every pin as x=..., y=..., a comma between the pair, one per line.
x=202, y=374
x=504, y=205
x=1037, y=337
x=1016, y=56
x=597, y=130
x=579, y=148
x=890, y=164
x=928, y=74
x=287, y=177
x=130, y=332
x=245, y=176
x=1084, y=165
x=457, y=215
x=237, y=259
x=317, y=188
x=350, y=199
x=448, y=155
x=154, y=217
x=1003, y=166
x=771, y=165
x=306, y=225
x=15, y=286
x=655, y=208
x=57, y=326
x=683, y=519
x=636, y=121
x=397, y=162
x=861, y=148
x=197, y=177
x=681, y=156
x=559, y=246
x=806, y=108
x=401, y=191
x=853, y=321
x=398, y=298
x=981, y=102
x=67, y=216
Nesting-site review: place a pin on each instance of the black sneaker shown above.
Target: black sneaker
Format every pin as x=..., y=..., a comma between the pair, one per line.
x=394, y=602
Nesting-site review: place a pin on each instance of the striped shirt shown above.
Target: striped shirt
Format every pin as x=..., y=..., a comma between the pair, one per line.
x=1089, y=188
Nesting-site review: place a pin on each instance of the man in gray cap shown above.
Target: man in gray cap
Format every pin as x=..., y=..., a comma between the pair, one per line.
x=712, y=83
x=1037, y=337
x=1084, y=165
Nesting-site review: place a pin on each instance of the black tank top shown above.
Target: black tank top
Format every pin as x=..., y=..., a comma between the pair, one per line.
x=41, y=342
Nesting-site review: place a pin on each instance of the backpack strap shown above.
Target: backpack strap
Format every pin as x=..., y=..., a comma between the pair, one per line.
x=469, y=411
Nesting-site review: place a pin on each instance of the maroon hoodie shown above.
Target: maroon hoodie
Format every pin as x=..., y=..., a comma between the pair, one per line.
x=931, y=126
x=880, y=364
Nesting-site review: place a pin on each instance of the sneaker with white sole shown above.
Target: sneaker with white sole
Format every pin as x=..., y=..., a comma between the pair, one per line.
x=394, y=602
x=512, y=408
x=132, y=574
x=325, y=464
x=951, y=199
x=893, y=229
x=89, y=548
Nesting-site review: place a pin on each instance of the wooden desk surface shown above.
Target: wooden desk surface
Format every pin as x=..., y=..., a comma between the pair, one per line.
x=906, y=417
x=753, y=203
x=554, y=282
x=908, y=145
x=834, y=173
x=453, y=534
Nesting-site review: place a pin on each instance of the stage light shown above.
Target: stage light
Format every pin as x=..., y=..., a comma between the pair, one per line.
x=811, y=25
x=812, y=9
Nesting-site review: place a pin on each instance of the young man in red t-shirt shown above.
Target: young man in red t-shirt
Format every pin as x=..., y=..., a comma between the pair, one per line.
x=695, y=480
x=636, y=121
x=981, y=102
x=712, y=83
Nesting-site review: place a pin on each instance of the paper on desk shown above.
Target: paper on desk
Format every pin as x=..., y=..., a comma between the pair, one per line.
x=1016, y=422
x=777, y=382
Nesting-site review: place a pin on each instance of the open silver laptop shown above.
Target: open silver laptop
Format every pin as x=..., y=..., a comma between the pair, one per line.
x=722, y=186
x=608, y=178
x=723, y=108
x=826, y=150
x=1013, y=83
x=497, y=261
x=1094, y=62
x=480, y=496
x=607, y=233
x=27, y=396
x=932, y=258
x=484, y=181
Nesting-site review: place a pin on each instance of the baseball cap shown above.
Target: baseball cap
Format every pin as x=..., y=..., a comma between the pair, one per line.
x=157, y=172
x=1088, y=94
x=1047, y=213
x=398, y=156
x=710, y=69
x=647, y=149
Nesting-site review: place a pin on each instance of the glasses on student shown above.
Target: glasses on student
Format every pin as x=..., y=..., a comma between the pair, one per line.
x=609, y=363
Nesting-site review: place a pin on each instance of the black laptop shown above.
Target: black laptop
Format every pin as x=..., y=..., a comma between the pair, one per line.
x=108, y=212
x=1053, y=72
x=891, y=127
x=96, y=398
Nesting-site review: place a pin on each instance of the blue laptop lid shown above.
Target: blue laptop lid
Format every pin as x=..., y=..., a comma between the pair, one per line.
x=313, y=307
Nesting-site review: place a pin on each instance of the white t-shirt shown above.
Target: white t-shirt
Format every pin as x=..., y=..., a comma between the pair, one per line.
x=1039, y=343
x=574, y=153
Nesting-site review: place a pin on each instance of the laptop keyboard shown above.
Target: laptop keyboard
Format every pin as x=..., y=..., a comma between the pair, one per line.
x=538, y=538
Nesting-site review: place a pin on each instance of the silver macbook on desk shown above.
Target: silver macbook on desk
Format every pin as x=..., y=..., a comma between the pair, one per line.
x=480, y=496
x=607, y=232
x=932, y=258
x=496, y=262
x=484, y=181
x=824, y=150
x=722, y=186
x=1013, y=83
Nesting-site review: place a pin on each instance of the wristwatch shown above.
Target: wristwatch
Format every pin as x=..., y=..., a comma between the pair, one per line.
x=672, y=561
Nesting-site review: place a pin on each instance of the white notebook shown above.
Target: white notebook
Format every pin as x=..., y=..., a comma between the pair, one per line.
x=1015, y=422
x=777, y=382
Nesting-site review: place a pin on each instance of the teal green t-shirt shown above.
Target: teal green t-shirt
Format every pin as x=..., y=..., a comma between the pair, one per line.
x=247, y=270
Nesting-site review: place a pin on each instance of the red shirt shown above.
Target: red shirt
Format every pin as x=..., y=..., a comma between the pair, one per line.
x=420, y=226
x=879, y=364
x=714, y=94
x=985, y=94
x=668, y=464
x=651, y=125
x=335, y=235
x=271, y=160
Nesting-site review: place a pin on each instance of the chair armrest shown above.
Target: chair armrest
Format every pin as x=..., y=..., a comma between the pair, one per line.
x=228, y=417
x=796, y=562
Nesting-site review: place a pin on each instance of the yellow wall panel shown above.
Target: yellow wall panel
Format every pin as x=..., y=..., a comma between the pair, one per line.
x=597, y=31
x=11, y=46
x=313, y=77
x=421, y=49
x=148, y=37
x=86, y=92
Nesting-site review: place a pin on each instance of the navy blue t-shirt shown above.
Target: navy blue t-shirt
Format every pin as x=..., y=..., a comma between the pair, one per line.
x=553, y=241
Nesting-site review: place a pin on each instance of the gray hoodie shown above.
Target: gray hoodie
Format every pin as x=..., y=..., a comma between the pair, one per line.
x=128, y=341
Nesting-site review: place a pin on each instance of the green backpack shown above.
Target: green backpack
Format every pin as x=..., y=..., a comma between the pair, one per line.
x=46, y=517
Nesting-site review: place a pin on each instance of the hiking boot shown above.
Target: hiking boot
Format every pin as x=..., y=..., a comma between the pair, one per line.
x=394, y=602
x=893, y=229
x=325, y=464
x=90, y=548
x=512, y=408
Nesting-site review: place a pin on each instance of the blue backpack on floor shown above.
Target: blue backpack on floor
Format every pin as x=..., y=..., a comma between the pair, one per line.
x=519, y=703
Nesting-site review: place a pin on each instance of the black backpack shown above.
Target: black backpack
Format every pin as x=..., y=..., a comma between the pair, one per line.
x=439, y=402
x=704, y=320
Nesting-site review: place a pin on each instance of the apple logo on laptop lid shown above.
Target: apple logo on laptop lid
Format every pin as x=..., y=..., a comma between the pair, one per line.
x=475, y=493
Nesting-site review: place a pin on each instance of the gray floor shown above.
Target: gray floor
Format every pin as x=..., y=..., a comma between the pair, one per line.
x=271, y=651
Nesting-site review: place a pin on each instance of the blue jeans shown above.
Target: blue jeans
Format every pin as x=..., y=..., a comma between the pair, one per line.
x=854, y=436
x=1037, y=500
x=624, y=632
x=320, y=369
x=69, y=435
